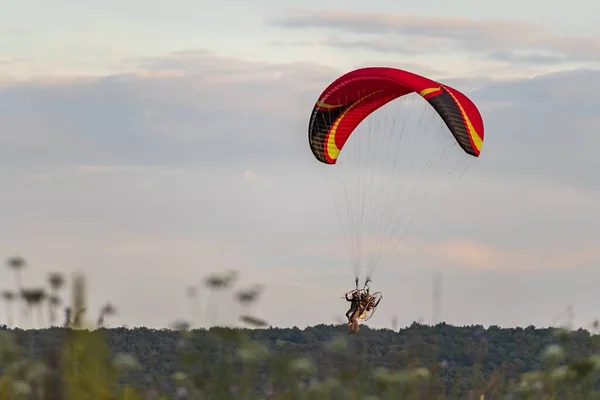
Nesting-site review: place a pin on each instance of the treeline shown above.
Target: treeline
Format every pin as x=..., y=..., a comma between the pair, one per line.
x=457, y=362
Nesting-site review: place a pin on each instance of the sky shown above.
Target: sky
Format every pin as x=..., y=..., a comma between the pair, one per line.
x=151, y=144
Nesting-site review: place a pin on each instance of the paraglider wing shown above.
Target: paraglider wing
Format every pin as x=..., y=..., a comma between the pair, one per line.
x=352, y=97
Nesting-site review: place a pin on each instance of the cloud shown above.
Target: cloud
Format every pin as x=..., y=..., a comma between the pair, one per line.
x=16, y=32
x=148, y=181
x=161, y=118
x=14, y=61
x=471, y=254
x=507, y=41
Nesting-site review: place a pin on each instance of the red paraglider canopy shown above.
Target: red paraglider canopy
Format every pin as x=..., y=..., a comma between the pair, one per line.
x=352, y=97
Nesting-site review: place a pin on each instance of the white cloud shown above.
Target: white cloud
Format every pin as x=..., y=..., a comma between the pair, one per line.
x=148, y=205
x=503, y=41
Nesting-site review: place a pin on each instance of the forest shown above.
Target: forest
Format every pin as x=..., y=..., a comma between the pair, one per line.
x=420, y=361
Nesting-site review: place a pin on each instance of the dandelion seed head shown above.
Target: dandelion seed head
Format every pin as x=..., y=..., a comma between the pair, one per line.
x=124, y=361
x=382, y=375
x=37, y=371
x=56, y=280
x=16, y=262
x=303, y=366
x=560, y=373
x=253, y=352
x=179, y=376
x=553, y=353
x=420, y=373
x=7, y=295
x=180, y=325
x=253, y=321
x=34, y=296
x=21, y=389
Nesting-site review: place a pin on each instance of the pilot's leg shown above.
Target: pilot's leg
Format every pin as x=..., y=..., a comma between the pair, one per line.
x=353, y=324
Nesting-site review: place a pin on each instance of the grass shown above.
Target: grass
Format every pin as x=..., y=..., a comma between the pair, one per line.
x=80, y=366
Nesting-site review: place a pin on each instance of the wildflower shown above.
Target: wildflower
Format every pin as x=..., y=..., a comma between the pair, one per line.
x=125, y=361
x=253, y=321
x=524, y=386
x=221, y=281
x=56, y=281
x=21, y=389
x=562, y=334
x=181, y=393
x=531, y=381
x=37, y=371
x=560, y=373
x=106, y=310
x=583, y=367
x=16, y=262
x=7, y=295
x=382, y=375
x=54, y=300
x=595, y=360
x=553, y=353
x=249, y=295
x=420, y=373
x=109, y=309
x=398, y=377
x=68, y=317
x=179, y=376
x=338, y=344
x=17, y=368
x=324, y=388
x=33, y=296
x=253, y=352
x=303, y=367
x=181, y=325
x=330, y=384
